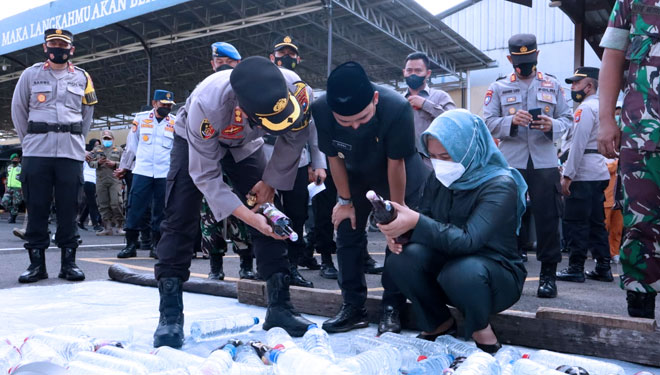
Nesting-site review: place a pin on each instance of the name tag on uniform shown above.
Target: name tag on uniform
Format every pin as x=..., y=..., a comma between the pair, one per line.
x=547, y=84
x=511, y=99
x=547, y=97
x=341, y=145
x=143, y=125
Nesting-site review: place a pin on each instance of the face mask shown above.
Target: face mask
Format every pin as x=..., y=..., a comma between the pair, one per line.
x=223, y=67
x=60, y=55
x=163, y=111
x=15, y=163
x=286, y=62
x=107, y=143
x=525, y=69
x=447, y=171
x=617, y=118
x=414, y=81
x=578, y=96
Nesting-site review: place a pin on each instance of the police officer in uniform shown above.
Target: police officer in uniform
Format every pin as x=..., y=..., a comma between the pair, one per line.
x=223, y=122
x=527, y=143
x=13, y=196
x=149, y=142
x=583, y=183
x=52, y=110
x=105, y=159
x=368, y=133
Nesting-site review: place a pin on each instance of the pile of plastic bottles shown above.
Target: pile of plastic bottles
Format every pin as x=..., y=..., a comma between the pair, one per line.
x=105, y=350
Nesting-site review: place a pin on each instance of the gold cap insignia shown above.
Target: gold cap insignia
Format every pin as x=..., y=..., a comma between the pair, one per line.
x=279, y=106
x=58, y=31
x=168, y=95
x=287, y=39
x=523, y=49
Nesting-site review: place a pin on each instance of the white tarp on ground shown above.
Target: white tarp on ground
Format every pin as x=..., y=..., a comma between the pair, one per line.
x=110, y=303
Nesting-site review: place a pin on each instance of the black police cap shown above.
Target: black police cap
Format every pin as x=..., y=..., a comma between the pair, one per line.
x=263, y=94
x=522, y=48
x=583, y=72
x=349, y=89
x=60, y=34
x=284, y=41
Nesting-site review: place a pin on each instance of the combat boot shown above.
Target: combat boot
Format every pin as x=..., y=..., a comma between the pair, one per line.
x=170, y=325
x=12, y=219
x=107, y=230
x=574, y=273
x=547, y=281
x=297, y=279
x=217, y=273
x=146, y=242
x=37, y=269
x=246, y=271
x=280, y=312
x=155, y=238
x=602, y=272
x=69, y=270
x=130, y=250
x=641, y=305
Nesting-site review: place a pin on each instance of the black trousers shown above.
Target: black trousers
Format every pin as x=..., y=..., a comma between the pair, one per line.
x=545, y=193
x=294, y=205
x=476, y=285
x=182, y=206
x=90, y=207
x=323, y=231
x=584, y=222
x=40, y=177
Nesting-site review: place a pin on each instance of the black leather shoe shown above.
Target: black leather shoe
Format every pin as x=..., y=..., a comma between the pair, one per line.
x=298, y=280
x=217, y=273
x=245, y=271
x=328, y=271
x=69, y=269
x=601, y=273
x=389, y=320
x=132, y=244
x=547, y=285
x=170, y=324
x=348, y=318
x=572, y=273
x=641, y=305
x=280, y=311
x=451, y=331
x=37, y=269
x=490, y=349
x=372, y=267
x=81, y=226
x=309, y=263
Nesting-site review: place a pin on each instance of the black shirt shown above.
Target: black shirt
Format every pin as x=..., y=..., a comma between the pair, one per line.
x=389, y=134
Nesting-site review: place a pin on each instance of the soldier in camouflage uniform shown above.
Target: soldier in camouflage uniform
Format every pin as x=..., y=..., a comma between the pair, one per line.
x=13, y=195
x=632, y=34
x=105, y=159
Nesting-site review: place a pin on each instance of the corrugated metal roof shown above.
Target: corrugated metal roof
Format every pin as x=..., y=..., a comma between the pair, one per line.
x=488, y=24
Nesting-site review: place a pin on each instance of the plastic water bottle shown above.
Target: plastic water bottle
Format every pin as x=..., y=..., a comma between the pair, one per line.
x=433, y=365
x=177, y=371
x=381, y=360
x=554, y=360
x=112, y=363
x=280, y=223
x=151, y=362
x=506, y=357
x=317, y=341
x=104, y=332
x=425, y=347
x=456, y=347
x=178, y=358
x=35, y=351
x=66, y=346
x=479, y=363
x=245, y=369
x=219, y=361
x=210, y=329
x=82, y=368
x=9, y=356
x=278, y=336
x=295, y=361
x=362, y=343
x=247, y=355
x=526, y=366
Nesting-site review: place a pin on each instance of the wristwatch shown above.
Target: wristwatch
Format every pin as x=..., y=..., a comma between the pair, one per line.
x=344, y=201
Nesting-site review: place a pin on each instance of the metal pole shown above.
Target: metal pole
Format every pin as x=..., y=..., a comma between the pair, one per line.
x=329, y=6
x=148, y=78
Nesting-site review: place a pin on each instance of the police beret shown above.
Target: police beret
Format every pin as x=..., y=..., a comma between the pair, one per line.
x=583, y=72
x=522, y=48
x=222, y=49
x=263, y=94
x=60, y=34
x=284, y=41
x=164, y=96
x=349, y=89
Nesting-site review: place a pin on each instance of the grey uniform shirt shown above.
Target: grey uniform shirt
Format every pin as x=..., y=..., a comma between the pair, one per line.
x=437, y=102
x=42, y=96
x=584, y=136
x=214, y=125
x=518, y=143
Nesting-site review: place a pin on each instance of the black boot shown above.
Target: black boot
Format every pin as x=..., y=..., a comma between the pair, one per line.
x=216, y=267
x=574, y=273
x=245, y=272
x=69, y=270
x=170, y=325
x=641, y=305
x=602, y=272
x=547, y=284
x=12, y=219
x=132, y=244
x=372, y=267
x=297, y=279
x=155, y=238
x=280, y=312
x=37, y=269
x=146, y=242
x=328, y=271
x=389, y=320
x=348, y=318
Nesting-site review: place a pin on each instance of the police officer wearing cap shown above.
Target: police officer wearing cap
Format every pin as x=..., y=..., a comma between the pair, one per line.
x=368, y=133
x=149, y=143
x=584, y=181
x=527, y=143
x=52, y=110
x=219, y=130
x=225, y=56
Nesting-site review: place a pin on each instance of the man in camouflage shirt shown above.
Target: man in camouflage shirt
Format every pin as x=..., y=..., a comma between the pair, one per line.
x=632, y=34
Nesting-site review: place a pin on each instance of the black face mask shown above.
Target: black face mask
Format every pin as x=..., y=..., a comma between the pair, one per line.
x=15, y=163
x=223, y=67
x=414, y=81
x=163, y=111
x=60, y=55
x=526, y=69
x=286, y=62
x=578, y=96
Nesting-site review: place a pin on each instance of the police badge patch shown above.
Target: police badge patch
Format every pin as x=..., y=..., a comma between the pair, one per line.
x=577, y=115
x=302, y=96
x=489, y=97
x=206, y=129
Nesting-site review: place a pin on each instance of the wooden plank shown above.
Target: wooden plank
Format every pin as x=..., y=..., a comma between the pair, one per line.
x=605, y=320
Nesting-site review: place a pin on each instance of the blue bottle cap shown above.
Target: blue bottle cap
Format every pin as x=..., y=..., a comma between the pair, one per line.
x=230, y=348
x=273, y=354
x=256, y=320
x=312, y=326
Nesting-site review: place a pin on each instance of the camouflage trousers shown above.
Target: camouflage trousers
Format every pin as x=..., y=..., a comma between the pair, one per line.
x=11, y=200
x=640, y=246
x=213, y=233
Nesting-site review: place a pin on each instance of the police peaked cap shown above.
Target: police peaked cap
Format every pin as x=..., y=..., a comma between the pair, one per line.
x=583, y=72
x=60, y=34
x=522, y=48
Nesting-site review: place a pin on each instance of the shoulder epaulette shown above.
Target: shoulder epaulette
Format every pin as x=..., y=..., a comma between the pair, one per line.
x=500, y=78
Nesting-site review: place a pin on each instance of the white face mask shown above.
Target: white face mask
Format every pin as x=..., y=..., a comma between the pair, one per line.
x=447, y=171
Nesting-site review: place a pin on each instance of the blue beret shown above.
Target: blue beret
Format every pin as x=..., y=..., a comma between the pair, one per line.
x=222, y=49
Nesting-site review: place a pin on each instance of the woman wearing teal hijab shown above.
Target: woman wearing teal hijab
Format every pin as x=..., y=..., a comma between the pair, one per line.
x=463, y=250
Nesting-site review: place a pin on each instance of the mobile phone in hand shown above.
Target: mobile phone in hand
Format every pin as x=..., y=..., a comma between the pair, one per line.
x=535, y=112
